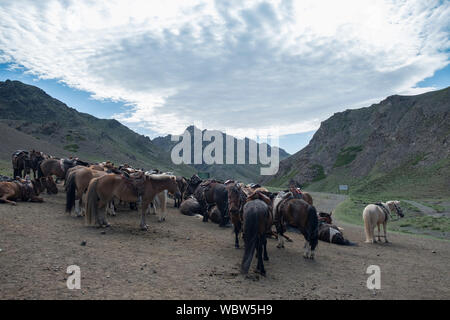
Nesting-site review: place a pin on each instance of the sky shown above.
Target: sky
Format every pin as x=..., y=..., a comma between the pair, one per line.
x=243, y=67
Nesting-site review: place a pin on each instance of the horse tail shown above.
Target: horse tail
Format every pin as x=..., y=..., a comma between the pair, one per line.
x=39, y=170
x=339, y=239
x=313, y=227
x=250, y=239
x=70, y=195
x=92, y=202
x=367, y=227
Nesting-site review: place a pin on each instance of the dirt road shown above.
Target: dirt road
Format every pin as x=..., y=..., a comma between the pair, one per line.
x=184, y=258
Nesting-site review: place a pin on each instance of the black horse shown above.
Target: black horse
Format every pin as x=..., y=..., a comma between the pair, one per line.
x=257, y=219
x=208, y=193
x=329, y=232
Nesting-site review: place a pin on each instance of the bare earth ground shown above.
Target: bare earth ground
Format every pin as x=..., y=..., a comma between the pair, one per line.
x=184, y=258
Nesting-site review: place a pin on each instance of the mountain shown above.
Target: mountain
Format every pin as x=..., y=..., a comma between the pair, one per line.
x=401, y=144
x=30, y=118
x=243, y=172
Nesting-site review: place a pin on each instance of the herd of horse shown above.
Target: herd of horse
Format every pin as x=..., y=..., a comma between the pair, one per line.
x=96, y=189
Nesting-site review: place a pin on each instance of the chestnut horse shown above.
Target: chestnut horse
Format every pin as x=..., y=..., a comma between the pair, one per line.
x=58, y=167
x=77, y=182
x=102, y=190
x=24, y=190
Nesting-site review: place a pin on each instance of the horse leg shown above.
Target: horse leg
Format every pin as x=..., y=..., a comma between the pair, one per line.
x=266, y=257
x=260, y=266
x=5, y=197
x=385, y=232
x=101, y=218
x=145, y=204
x=236, y=233
x=379, y=238
x=280, y=241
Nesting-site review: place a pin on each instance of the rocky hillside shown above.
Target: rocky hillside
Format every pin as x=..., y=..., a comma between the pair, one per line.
x=31, y=119
x=401, y=142
x=42, y=121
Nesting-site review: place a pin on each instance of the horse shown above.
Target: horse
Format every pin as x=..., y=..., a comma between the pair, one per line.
x=24, y=190
x=21, y=163
x=190, y=207
x=299, y=194
x=299, y=214
x=377, y=214
x=58, y=167
x=36, y=157
x=208, y=193
x=77, y=182
x=139, y=185
x=182, y=185
x=159, y=203
x=236, y=201
x=256, y=221
x=329, y=232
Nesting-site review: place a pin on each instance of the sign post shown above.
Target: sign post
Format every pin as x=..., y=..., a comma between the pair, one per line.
x=343, y=187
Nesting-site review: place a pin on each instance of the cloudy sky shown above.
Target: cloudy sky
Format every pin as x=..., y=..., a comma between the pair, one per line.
x=245, y=67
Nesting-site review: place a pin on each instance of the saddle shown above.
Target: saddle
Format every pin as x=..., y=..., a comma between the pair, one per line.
x=387, y=213
x=5, y=178
x=25, y=188
x=279, y=203
x=20, y=152
x=136, y=181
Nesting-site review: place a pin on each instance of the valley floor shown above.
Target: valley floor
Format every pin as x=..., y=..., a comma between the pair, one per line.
x=184, y=258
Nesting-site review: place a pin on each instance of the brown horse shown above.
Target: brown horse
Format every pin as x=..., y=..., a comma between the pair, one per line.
x=21, y=163
x=24, y=190
x=236, y=201
x=182, y=186
x=190, y=207
x=36, y=157
x=77, y=182
x=257, y=219
x=298, y=214
x=58, y=167
x=102, y=190
x=208, y=193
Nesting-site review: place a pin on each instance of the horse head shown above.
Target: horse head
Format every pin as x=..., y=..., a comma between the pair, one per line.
x=236, y=200
x=49, y=184
x=325, y=217
x=396, y=205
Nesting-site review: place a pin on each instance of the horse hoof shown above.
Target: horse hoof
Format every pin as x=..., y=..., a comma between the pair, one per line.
x=266, y=258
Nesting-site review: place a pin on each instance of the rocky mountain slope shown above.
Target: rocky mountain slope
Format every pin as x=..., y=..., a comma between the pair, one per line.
x=31, y=119
x=401, y=142
x=43, y=121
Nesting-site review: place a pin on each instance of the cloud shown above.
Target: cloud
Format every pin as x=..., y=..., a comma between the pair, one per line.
x=249, y=67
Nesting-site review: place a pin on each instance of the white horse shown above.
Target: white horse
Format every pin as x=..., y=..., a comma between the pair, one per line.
x=377, y=214
x=159, y=204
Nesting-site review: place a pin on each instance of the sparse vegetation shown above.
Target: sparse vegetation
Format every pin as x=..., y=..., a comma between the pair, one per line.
x=347, y=155
x=71, y=147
